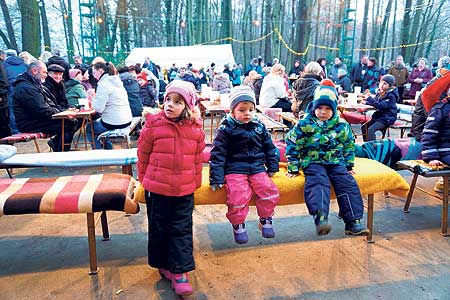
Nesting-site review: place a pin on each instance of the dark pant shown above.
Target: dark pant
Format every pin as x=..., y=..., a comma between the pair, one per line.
x=53, y=127
x=317, y=191
x=284, y=104
x=368, y=129
x=170, y=243
x=400, y=91
x=5, y=130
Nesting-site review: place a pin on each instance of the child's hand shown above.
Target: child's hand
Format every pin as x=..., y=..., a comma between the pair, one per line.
x=435, y=163
x=290, y=175
x=270, y=174
x=216, y=187
x=351, y=172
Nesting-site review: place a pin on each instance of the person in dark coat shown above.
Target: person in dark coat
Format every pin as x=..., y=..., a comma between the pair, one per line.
x=14, y=66
x=243, y=157
x=358, y=71
x=34, y=109
x=56, y=59
x=147, y=92
x=343, y=81
x=131, y=85
x=371, y=77
x=304, y=87
x=5, y=130
x=296, y=69
x=436, y=135
x=385, y=103
x=54, y=85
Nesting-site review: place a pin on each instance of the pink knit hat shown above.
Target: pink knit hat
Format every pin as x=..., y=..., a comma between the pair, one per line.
x=74, y=72
x=185, y=89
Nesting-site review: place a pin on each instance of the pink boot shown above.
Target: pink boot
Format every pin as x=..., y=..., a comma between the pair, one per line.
x=165, y=274
x=181, y=285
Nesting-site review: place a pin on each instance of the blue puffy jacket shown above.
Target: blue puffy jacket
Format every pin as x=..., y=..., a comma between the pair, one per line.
x=386, y=106
x=241, y=149
x=436, y=135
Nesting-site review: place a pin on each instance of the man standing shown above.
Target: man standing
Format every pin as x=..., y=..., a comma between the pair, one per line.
x=5, y=130
x=34, y=110
x=14, y=66
x=358, y=71
x=400, y=72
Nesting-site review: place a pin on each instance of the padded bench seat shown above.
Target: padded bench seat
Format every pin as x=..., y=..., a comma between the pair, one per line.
x=70, y=194
x=24, y=137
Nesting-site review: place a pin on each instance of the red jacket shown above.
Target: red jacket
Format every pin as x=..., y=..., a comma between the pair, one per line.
x=170, y=155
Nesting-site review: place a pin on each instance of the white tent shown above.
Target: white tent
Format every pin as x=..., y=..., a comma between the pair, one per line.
x=198, y=56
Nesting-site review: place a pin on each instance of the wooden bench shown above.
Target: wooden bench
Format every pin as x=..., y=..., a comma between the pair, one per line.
x=371, y=176
x=25, y=137
x=68, y=195
x=419, y=167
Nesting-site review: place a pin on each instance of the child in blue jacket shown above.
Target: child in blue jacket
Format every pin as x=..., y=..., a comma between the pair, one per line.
x=385, y=103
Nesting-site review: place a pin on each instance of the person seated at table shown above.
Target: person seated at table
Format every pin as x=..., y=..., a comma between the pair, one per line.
x=54, y=84
x=304, y=87
x=343, y=81
x=110, y=101
x=75, y=89
x=273, y=91
x=385, y=103
x=132, y=87
x=34, y=109
x=254, y=81
x=221, y=81
x=147, y=93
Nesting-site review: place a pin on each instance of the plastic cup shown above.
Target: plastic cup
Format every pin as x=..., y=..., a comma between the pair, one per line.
x=357, y=90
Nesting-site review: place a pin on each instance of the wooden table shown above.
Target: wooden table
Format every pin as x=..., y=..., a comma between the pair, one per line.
x=272, y=125
x=215, y=111
x=419, y=167
x=288, y=116
x=78, y=114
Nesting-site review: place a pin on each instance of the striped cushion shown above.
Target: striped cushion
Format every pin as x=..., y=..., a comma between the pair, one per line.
x=355, y=117
x=24, y=137
x=67, y=194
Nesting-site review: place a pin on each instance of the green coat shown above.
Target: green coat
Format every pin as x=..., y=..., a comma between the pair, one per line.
x=74, y=91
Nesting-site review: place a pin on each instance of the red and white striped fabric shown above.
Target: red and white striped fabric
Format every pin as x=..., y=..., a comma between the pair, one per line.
x=67, y=194
x=24, y=137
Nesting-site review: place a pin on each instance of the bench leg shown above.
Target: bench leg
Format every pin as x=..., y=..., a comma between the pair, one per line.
x=410, y=193
x=92, y=247
x=370, y=200
x=105, y=228
x=444, y=218
x=127, y=169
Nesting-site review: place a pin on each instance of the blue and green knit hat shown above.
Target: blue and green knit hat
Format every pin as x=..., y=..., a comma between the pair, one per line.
x=325, y=94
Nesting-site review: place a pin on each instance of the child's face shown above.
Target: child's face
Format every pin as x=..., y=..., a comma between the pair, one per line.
x=243, y=112
x=323, y=112
x=383, y=86
x=141, y=82
x=174, y=105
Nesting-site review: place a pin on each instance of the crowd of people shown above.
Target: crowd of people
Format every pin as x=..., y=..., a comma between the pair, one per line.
x=243, y=155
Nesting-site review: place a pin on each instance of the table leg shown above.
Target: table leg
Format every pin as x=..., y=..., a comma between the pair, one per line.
x=444, y=218
x=93, y=270
x=92, y=132
x=62, y=137
x=105, y=229
x=211, y=114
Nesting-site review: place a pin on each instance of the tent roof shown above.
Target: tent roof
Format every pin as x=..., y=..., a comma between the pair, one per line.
x=199, y=56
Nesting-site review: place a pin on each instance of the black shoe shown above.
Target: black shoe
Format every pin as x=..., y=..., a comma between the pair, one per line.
x=51, y=145
x=355, y=228
x=322, y=226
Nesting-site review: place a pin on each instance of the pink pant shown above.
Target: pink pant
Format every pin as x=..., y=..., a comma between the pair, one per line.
x=240, y=188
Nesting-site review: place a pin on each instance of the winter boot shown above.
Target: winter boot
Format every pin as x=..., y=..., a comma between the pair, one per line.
x=355, y=228
x=240, y=234
x=265, y=225
x=165, y=274
x=181, y=285
x=321, y=221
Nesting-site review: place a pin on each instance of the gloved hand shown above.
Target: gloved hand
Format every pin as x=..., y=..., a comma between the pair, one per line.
x=270, y=174
x=216, y=187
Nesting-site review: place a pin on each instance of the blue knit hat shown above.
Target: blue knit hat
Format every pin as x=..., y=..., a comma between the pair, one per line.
x=240, y=94
x=325, y=94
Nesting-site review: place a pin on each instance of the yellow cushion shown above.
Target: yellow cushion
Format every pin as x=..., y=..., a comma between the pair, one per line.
x=372, y=177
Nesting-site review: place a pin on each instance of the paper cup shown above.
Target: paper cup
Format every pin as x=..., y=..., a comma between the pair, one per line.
x=357, y=89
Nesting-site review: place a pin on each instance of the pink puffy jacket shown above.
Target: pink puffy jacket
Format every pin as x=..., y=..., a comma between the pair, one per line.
x=170, y=155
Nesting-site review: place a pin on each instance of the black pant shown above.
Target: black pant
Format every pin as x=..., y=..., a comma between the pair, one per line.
x=170, y=243
x=5, y=130
x=284, y=104
x=53, y=127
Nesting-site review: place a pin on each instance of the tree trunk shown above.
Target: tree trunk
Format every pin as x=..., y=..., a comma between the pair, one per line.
x=10, y=42
x=404, y=35
x=70, y=46
x=31, y=39
x=363, y=44
x=268, y=42
x=434, y=29
x=226, y=15
x=394, y=26
x=102, y=29
x=45, y=30
x=413, y=30
x=383, y=30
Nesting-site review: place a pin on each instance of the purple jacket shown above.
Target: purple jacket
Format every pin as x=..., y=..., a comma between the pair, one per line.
x=425, y=74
